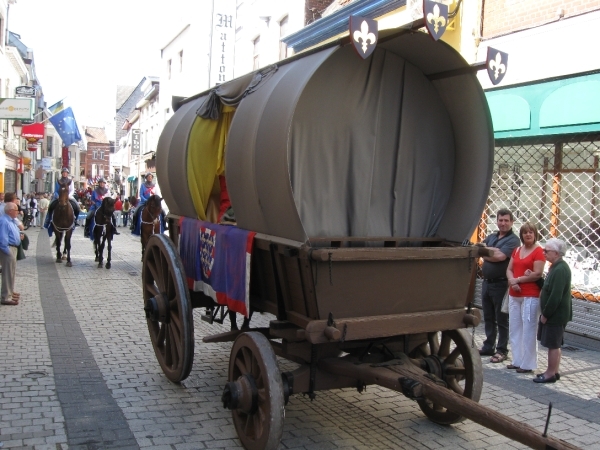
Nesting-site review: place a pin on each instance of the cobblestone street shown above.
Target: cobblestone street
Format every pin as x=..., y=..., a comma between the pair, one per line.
x=78, y=371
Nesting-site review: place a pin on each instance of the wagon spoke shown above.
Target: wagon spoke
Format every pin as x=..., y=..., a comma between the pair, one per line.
x=240, y=365
x=176, y=324
x=259, y=379
x=152, y=289
x=247, y=423
x=452, y=356
x=160, y=338
x=456, y=371
x=154, y=273
x=453, y=384
x=445, y=345
x=174, y=347
x=255, y=368
x=262, y=395
x=247, y=355
x=167, y=346
x=433, y=343
x=260, y=420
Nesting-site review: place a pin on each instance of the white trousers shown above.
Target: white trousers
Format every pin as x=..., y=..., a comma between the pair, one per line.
x=523, y=314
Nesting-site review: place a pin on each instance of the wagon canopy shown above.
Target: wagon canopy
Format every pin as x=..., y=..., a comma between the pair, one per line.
x=330, y=145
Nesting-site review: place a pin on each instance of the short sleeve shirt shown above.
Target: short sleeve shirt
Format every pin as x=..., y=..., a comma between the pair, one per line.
x=520, y=265
x=506, y=245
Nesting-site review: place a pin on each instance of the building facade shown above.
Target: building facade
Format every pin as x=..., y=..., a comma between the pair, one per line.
x=96, y=162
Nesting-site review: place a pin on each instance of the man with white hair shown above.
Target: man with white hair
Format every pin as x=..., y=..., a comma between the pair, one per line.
x=10, y=238
x=556, y=306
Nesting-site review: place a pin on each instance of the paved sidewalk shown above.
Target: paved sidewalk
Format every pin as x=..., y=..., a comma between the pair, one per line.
x=77, y=370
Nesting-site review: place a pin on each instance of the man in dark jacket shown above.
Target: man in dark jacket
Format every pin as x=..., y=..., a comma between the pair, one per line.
x=557, y=308
x=495, y=284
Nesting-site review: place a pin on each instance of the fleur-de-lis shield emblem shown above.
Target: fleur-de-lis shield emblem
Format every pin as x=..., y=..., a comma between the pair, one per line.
x=497, y=63
x=363, y=33
x=436, y=18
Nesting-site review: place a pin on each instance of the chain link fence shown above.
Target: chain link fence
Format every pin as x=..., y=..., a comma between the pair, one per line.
x=553, y=182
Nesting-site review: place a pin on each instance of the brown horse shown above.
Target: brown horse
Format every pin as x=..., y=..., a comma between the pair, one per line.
x=150, y=222
x=63, y=221
x=102, y=230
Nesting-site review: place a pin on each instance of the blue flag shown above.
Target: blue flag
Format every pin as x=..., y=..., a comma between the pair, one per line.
x=66, y=126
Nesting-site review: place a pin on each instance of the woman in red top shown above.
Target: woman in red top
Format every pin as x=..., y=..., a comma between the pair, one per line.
x=524, y=269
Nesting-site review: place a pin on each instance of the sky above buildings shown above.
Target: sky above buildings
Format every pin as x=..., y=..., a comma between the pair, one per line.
x=83, y=49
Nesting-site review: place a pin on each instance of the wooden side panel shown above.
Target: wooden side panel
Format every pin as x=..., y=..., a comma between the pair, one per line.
x=372, y=288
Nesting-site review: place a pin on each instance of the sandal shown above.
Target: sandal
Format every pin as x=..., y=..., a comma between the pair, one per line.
x=510, y=366
x=524, y=370
x=498, y=358
x=10, y=302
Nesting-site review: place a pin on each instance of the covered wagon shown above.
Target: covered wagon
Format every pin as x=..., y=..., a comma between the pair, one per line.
x=355, y=185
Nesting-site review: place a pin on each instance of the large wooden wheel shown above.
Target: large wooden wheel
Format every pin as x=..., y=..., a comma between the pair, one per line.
x=255, y=392
x=450, y=356
x=168, y=308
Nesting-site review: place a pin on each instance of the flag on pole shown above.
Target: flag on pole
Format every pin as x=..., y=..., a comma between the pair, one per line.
x=57, y=107
x=66, y=126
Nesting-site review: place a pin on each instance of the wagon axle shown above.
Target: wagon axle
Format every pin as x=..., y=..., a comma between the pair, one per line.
x=157, y=309
x=241, y=394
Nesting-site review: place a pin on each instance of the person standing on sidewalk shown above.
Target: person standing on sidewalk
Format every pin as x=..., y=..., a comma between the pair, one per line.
x=43, y=204
x=10, y=239
x=126, y=208
x=118, y=210
x=557, y=308
x=495, y=284
x=524, y=269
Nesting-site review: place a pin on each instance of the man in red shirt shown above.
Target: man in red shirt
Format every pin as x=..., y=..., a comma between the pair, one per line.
x=118, y=210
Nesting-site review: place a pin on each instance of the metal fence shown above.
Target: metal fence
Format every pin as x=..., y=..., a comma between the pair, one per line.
x=553, y=182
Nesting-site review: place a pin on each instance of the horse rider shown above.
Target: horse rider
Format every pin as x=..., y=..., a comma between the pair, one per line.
x=64, y=179
x=98, y=194
x=147, y=190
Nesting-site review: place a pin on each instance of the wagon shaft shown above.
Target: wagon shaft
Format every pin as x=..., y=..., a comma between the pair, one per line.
x=403, y=376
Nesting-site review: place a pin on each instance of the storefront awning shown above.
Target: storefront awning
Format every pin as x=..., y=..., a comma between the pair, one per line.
x=564, y=106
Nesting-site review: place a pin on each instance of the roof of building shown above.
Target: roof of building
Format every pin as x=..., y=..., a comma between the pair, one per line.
x=96, y=135
x=335, y=5
x=123, y=93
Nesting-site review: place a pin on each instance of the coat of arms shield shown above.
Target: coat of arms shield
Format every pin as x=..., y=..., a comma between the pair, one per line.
x=436, y=18
x=496, y=63
x=363, y=34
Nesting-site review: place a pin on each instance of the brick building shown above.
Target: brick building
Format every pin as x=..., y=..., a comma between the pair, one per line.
x=95, y=160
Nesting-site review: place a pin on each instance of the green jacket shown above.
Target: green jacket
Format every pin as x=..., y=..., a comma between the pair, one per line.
x=555, y=298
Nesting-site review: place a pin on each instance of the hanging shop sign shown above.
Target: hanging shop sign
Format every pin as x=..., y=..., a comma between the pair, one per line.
x=16, y=108
x=223, y=41
x=135, y=141
x=25, y=91
x=33, y=132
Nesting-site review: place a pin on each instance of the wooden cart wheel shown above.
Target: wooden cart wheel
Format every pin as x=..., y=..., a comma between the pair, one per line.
x=168, y=308
x=255, y=392
x=450, y=356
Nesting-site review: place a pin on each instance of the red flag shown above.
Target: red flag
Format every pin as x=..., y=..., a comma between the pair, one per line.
x=65, y=156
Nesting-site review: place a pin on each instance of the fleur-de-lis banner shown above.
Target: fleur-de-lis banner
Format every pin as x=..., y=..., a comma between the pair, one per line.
x=363, y=33
x=436, y=18
x=497, y=63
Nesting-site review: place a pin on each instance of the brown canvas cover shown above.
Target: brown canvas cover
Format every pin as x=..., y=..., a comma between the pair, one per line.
x=330, y=145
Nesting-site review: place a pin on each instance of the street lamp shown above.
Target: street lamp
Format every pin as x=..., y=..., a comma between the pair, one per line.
x=17, y=127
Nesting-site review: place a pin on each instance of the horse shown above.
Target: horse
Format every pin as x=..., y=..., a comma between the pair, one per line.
x=63, y=221
x=102, y=230
x=150, y=220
